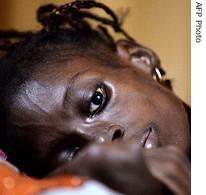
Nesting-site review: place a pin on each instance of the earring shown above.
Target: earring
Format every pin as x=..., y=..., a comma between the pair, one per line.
x=152, y=66
x=158, y=74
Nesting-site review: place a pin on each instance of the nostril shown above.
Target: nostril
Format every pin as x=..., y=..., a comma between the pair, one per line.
x=118, y=134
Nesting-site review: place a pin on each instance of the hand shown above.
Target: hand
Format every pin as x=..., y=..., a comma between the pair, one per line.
x=170, y=166
x=120, y=166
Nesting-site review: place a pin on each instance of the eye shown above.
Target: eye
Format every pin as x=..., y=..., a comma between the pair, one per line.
x=97, y=101
x=69, y=154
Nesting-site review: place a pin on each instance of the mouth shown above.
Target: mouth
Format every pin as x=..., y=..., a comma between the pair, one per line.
x=150, y=138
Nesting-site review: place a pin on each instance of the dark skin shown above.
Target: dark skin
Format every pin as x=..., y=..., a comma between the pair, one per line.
x=110, y=122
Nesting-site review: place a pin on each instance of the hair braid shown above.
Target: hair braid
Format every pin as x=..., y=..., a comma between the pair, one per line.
x=9, y=38
x=53, y=17
x=71, y=15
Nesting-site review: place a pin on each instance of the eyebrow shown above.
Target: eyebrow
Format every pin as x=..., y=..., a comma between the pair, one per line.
x=70, y=84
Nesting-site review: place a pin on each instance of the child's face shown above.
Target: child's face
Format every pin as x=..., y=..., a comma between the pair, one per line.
x=66, y=106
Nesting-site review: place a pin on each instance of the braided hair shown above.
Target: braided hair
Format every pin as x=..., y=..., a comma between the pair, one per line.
x=72, y=16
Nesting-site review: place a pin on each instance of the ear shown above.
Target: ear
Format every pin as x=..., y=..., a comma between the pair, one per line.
x=138, y=56
x=143, y=58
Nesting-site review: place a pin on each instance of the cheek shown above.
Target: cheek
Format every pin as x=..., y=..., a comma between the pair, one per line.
x=135, y=106
x=171, y=117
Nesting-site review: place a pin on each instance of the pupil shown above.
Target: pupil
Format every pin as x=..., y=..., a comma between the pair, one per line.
x=97, y=98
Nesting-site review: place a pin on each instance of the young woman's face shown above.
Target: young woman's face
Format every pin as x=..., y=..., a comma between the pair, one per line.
x=64, y=107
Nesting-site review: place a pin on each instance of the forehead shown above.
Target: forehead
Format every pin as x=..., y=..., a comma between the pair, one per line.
x=45, y=91
x=99, y=63
x=54, y=77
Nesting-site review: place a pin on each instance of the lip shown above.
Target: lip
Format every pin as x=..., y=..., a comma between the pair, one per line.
x=150, y=137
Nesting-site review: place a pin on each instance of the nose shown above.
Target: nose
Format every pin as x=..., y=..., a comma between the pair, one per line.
x=114, y=133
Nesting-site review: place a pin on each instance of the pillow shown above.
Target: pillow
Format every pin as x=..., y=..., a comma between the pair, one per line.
x=13, y=182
